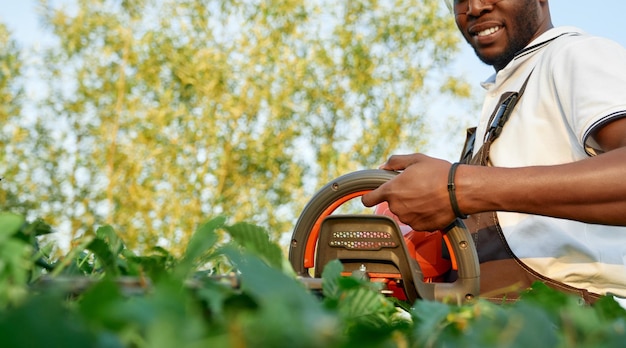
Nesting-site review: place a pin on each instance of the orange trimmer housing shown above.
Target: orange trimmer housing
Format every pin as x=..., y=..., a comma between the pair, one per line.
x=411, y=264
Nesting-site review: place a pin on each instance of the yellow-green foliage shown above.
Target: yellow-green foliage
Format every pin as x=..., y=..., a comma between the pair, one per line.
x=157, y=113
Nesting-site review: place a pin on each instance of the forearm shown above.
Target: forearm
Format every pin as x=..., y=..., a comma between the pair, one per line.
x=592, y=190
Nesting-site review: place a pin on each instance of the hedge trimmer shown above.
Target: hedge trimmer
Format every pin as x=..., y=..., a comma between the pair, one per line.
x=409, y=265
x=373, y=245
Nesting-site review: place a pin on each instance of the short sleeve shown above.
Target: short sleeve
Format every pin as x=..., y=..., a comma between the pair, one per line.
x=589, y=75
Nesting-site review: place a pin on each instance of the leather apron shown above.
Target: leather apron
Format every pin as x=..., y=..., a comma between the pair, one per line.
x=503, y=276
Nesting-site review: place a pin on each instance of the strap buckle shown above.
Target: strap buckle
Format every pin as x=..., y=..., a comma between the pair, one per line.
x=501, y=116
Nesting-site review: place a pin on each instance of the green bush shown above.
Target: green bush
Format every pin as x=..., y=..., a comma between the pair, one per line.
x=243, y=293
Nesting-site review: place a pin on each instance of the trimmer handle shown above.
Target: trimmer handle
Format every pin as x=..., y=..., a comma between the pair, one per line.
x=306, y=235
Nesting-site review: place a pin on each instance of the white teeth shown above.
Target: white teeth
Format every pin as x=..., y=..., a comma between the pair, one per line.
x=488, y=31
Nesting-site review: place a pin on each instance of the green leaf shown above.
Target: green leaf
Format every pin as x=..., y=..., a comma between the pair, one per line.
x=366, y=306
x=287, y=314
x=255, y=239
x=267, y=283
x=176, y=316
x=546, y=296
x=430, y=319
x=110, y=237
x=38, y=228
x=10, y=224
x=44, y=321
x=608, y=309
x=98, y=305
x=330, y=279
x=200, y=244
x=15, y=267
x=521, y=325
x=106, y=257
x=156, y=264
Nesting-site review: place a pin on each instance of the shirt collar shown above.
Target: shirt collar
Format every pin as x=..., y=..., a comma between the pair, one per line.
x=535, y=45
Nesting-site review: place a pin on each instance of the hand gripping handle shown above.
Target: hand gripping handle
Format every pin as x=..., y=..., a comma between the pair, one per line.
x=355, y=184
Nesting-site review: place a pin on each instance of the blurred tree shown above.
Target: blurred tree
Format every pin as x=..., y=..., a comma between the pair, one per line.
x=162, y=113
x=10, y=71
x=12, y=130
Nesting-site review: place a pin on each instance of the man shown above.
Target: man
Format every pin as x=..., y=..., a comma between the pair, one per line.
x=555, y=172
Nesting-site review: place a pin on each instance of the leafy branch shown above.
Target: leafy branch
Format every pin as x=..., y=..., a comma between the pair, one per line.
x=242, y=293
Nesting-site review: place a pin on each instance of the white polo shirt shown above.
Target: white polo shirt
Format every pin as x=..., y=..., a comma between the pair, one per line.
x=578, y=83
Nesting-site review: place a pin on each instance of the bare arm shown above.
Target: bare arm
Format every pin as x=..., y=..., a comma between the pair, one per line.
x=592, y=190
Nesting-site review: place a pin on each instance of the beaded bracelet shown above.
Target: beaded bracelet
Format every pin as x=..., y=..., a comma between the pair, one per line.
x=452, y=192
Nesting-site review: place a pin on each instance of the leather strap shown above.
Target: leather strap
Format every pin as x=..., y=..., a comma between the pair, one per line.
x=498, y=119
x=503, y=274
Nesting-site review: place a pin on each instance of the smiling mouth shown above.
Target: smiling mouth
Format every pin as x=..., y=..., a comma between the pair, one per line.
x=487, y=31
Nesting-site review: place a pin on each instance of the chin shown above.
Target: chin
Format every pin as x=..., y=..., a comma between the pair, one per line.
x=485, y=57
x=497, y=60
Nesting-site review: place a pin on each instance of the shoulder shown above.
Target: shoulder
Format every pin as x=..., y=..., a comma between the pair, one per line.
x=574, y=48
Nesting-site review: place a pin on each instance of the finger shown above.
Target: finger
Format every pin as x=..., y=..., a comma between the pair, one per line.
x=400, y=162
x=373, y=198
x=384, y=166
